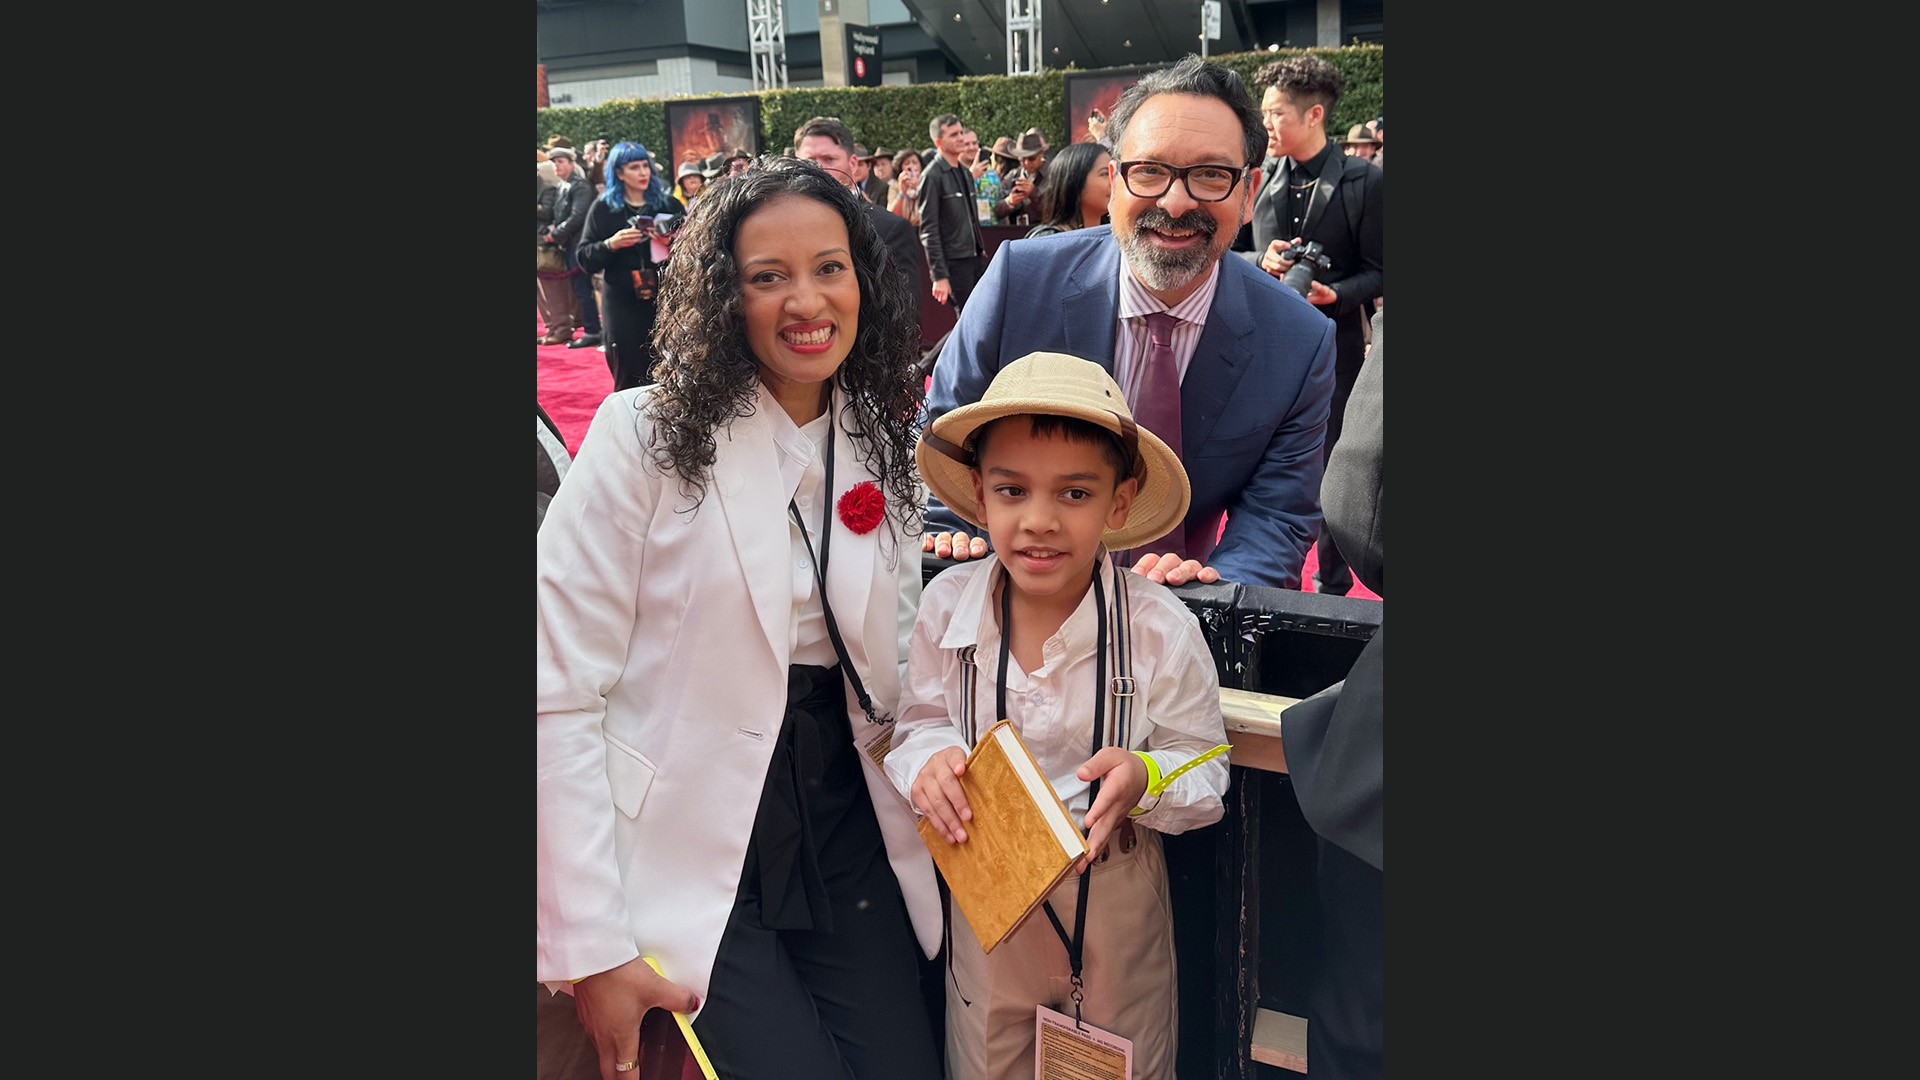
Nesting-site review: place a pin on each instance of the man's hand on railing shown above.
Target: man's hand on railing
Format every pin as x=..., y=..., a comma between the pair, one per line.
x=957, y=546
x=1170, y=569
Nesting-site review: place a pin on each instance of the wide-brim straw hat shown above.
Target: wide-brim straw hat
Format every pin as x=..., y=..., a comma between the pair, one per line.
x=1057, y=384
x=1359, y=134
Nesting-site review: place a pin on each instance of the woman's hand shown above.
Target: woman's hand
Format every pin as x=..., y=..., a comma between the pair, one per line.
x=937, y=794
x=611, y=1004
x=625, y=238
x=1123, y=780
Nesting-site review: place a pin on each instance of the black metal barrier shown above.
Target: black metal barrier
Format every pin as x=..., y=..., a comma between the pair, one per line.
x=1245, y=907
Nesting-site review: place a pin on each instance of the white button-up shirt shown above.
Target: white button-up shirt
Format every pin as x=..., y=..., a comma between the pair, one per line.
x=1176, y=707
x=803, y=475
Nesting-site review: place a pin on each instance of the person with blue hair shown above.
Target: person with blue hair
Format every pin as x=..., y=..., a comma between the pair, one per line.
x=619, y=243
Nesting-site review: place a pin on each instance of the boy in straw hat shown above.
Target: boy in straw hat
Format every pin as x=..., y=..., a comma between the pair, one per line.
x=1106, y=676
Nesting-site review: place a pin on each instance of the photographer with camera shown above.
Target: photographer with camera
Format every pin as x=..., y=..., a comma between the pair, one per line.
x=1317, y=226
x=619, y=242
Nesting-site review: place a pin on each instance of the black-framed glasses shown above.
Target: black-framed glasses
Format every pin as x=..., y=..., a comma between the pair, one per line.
x=1206, y=183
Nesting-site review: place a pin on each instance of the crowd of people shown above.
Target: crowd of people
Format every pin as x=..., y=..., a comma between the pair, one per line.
x=1146, y=389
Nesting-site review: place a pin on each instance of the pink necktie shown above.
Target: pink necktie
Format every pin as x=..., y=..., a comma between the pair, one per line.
x=1158, y=410
x=1159, y=405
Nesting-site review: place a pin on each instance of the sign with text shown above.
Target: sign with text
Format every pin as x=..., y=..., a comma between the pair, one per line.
x=863, y=55
x=1210, y=18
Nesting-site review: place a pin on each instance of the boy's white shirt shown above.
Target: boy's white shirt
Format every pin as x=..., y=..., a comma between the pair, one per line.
x=1176, y=710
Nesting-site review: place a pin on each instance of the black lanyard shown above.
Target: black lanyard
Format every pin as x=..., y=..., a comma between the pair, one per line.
x=1075, y=944
x=820, y=575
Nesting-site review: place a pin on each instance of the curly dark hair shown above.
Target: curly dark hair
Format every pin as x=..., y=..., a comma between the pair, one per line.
x=707, y=372
x=1304, y=80
x=1064, y=182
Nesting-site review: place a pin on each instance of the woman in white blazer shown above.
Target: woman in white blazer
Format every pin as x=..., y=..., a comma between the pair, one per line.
x=708, y=789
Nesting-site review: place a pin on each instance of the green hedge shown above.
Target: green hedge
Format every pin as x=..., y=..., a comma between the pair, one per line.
x=896, y=116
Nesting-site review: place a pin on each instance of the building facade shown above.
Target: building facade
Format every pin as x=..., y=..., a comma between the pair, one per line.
x=595, y=51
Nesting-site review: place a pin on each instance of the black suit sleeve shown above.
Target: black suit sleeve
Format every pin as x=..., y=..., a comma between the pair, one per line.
x=903, y=242
x=1334, y=742
x=1334, y=739
x=1370, y=279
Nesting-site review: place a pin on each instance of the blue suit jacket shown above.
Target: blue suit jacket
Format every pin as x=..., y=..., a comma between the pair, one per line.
x=1253, y=404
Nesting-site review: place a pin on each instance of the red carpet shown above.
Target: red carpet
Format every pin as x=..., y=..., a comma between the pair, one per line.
x=573, y=382
x=571, y=385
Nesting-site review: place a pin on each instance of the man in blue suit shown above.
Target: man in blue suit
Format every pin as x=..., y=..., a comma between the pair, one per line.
x=1150, y=298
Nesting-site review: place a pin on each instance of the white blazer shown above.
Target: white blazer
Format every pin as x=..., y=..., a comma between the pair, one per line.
x=662, y=640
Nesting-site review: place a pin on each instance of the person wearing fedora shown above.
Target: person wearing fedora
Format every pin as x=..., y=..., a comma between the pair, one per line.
x=860, y=165
x=1027, y=159
x=558, y=314
x=1052, y=465
x=1360, y=142
x=1320, y=195
x=572, y=206
x=879, y=175
x=1219, y=360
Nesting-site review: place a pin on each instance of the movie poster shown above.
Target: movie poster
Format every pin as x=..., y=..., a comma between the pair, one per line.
x=1091, y=90
x=701, y=128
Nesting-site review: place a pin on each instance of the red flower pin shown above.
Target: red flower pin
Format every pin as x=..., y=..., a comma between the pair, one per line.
x=862, y=507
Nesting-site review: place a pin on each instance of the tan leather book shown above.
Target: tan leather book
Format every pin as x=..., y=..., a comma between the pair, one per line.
x=1020, y=844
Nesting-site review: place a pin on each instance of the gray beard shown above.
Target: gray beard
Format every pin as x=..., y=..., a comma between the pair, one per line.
x=1159, y=268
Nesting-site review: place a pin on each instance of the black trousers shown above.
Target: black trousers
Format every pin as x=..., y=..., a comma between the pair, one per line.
x=963, y=275
x=838, y=998
x=1346, y=1021
x=582, y=282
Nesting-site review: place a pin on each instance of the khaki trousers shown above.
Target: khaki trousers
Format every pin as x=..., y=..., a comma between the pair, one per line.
x=558, y=308
x=1128, y=974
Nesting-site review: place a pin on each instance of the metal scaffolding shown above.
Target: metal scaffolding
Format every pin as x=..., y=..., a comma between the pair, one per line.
x=767, y=36
x=1023, y=37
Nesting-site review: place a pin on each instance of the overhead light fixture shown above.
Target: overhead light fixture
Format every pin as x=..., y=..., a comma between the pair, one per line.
x=956, y=16
x=1128, y=43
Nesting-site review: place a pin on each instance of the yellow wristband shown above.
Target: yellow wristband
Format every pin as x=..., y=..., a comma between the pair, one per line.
x=1156, y=784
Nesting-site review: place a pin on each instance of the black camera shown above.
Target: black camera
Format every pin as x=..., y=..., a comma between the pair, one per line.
x=1308, y=259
